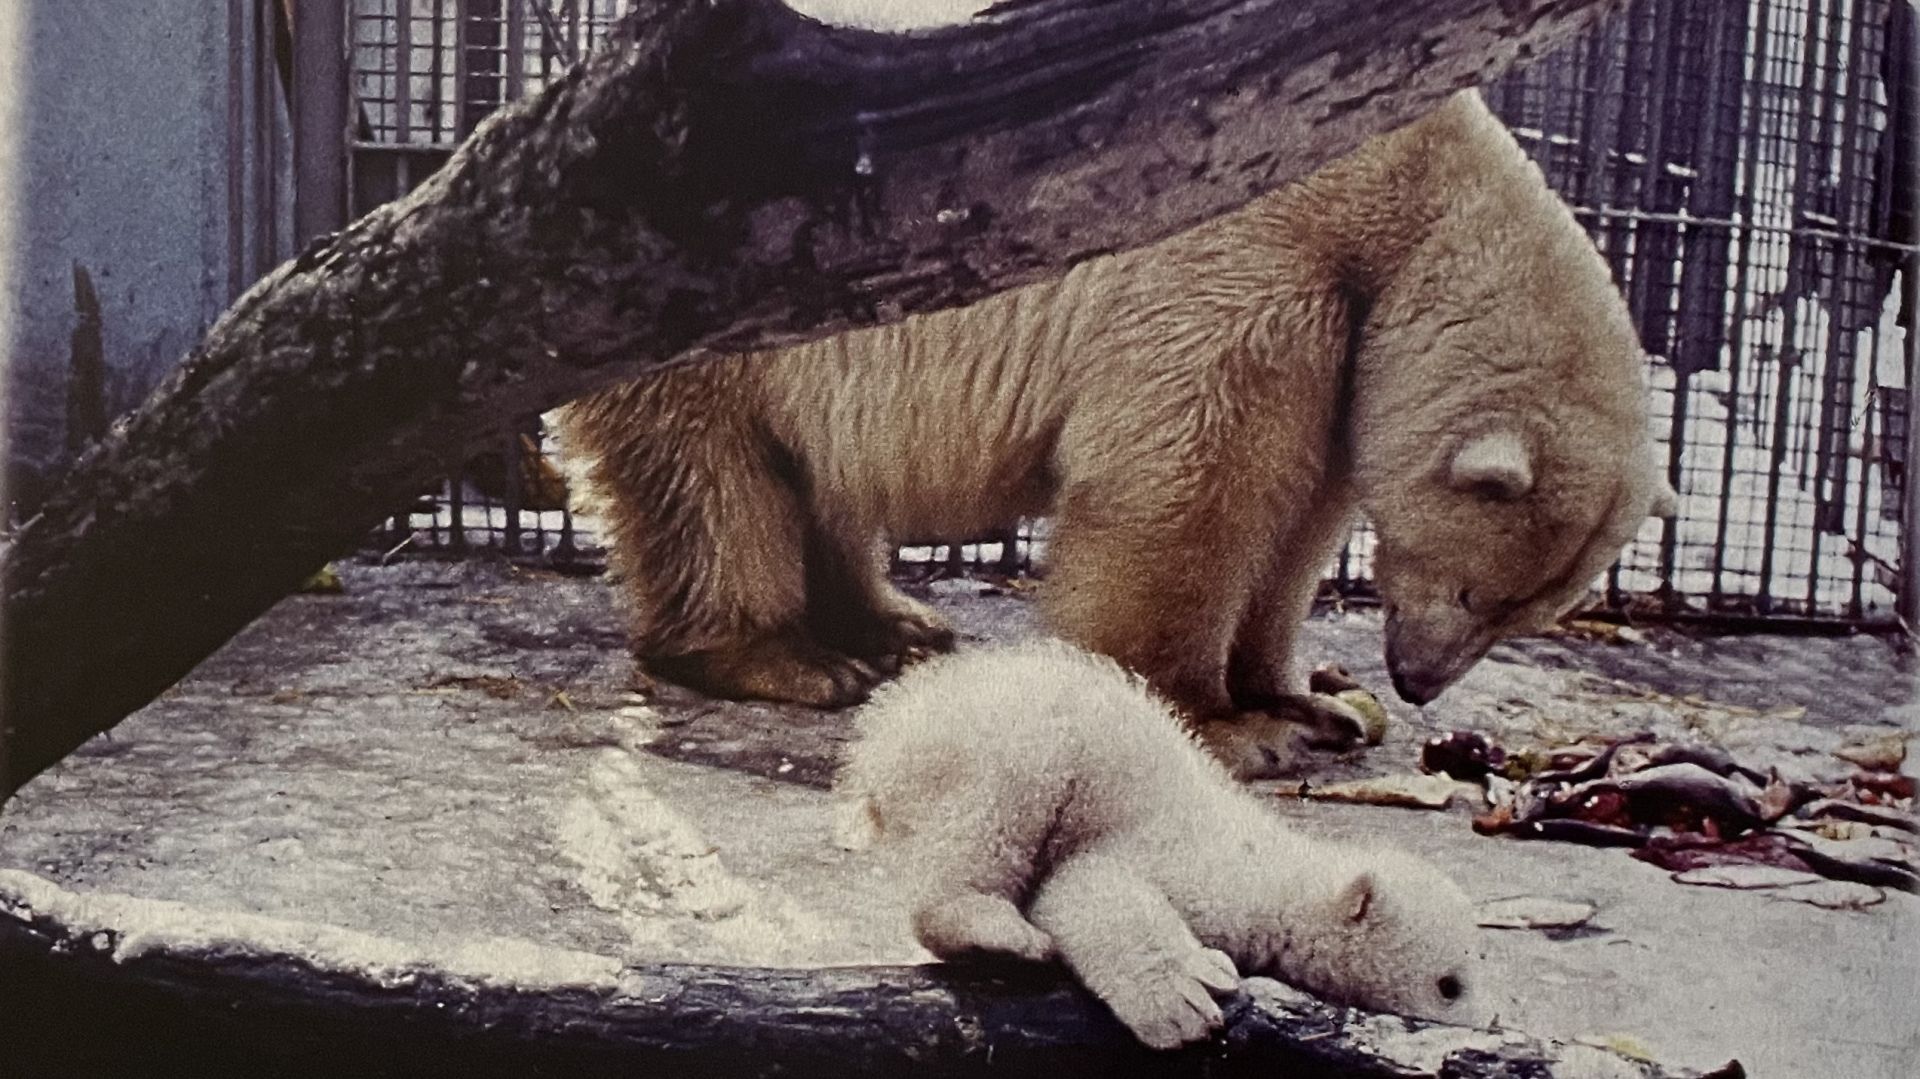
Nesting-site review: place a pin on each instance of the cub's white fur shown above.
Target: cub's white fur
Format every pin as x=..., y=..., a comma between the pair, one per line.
x=1044, y=803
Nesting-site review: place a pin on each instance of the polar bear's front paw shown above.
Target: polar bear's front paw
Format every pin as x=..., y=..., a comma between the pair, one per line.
x=778, y=667
x=1171, y=1004
x=911, y=637
x=1280, y=736
x=893, y=636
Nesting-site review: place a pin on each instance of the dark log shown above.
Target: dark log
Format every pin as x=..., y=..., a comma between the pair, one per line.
x=73, y=1009
x=726, y=176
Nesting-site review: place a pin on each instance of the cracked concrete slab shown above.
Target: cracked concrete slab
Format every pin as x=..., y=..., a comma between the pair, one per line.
x=451, y=752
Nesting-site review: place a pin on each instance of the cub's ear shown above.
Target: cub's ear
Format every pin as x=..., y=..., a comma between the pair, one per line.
x=1666, y=500
x=1356, y=896
x=1496, y=464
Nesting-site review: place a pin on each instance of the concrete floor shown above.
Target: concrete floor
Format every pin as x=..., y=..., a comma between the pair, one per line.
x=450, y=752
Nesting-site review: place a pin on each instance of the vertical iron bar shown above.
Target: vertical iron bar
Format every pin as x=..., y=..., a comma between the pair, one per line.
x=1856, y=607
x=1752, y=113
x=1849, y=265
x=436, y=109
x=1789, y=355
x=1708, y=253
x=456, y=511
x=321, y=88
x=1908, y=600
x=403, y=72
x=462, y=69
x=514, y=52
x=1822, y=375
x=237, y=88
x=484, y=52
x=510, y=493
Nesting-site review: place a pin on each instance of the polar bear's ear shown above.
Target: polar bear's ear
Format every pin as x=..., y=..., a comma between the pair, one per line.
x=1496, y=464
x=1666, y=500
x=1357, y=895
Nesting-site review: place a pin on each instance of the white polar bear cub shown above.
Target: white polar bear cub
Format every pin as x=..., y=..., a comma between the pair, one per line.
x=1045, y=804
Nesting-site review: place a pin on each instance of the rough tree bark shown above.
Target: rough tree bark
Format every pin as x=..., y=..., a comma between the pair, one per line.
x=727, y=175
x=211, y=1008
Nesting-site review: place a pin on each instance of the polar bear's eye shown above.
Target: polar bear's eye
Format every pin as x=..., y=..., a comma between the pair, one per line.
x=1466, y=600
x=1449, y=987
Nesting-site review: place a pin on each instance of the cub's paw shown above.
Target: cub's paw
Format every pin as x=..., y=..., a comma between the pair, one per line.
x=1280, y=736
x=972, y=925
x=1171, y=1004
x=784, y=667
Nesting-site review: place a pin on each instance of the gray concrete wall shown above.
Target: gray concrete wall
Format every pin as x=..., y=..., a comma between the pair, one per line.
x=114, y=152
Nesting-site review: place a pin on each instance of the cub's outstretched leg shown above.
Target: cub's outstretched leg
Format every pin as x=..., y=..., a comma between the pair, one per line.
x=706, y=530
x=1125, y=942
x=972, y=864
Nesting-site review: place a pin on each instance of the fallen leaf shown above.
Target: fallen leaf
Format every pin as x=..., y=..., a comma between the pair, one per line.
x=1841, y=829
x=1833, y=895
x=325, y=581
x=1625, y=1044
x=1407, y=791
x=1534, y=912
x=1373, y=714
x=1884, y=754
x=1884, y=848
x=1746, y=876
x=1594, y=630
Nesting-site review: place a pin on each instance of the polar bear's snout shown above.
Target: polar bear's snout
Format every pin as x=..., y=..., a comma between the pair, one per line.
x=1426, y=655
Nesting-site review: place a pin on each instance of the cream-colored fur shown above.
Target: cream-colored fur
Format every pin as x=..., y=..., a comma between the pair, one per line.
x=1420, y=330
x=1042, y=802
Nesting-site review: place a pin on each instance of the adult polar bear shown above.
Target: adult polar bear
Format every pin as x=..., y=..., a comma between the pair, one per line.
x=1419, y=330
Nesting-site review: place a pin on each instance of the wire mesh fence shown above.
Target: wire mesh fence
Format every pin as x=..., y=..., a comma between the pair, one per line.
x=1741, y=165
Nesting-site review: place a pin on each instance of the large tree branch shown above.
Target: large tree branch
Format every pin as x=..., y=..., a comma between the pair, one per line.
x=726, y=176
x=182, y=990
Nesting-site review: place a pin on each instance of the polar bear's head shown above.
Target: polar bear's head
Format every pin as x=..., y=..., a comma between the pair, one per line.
x=1389, y=932
x=1499, y=536
x=1498, y=419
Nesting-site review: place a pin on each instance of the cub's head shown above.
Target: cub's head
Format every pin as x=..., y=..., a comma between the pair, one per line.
x=1392, y=934
x=1498, y=427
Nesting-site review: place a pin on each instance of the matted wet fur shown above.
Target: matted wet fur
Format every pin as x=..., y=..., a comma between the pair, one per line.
x=1420, y=330
x=1041, y=803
